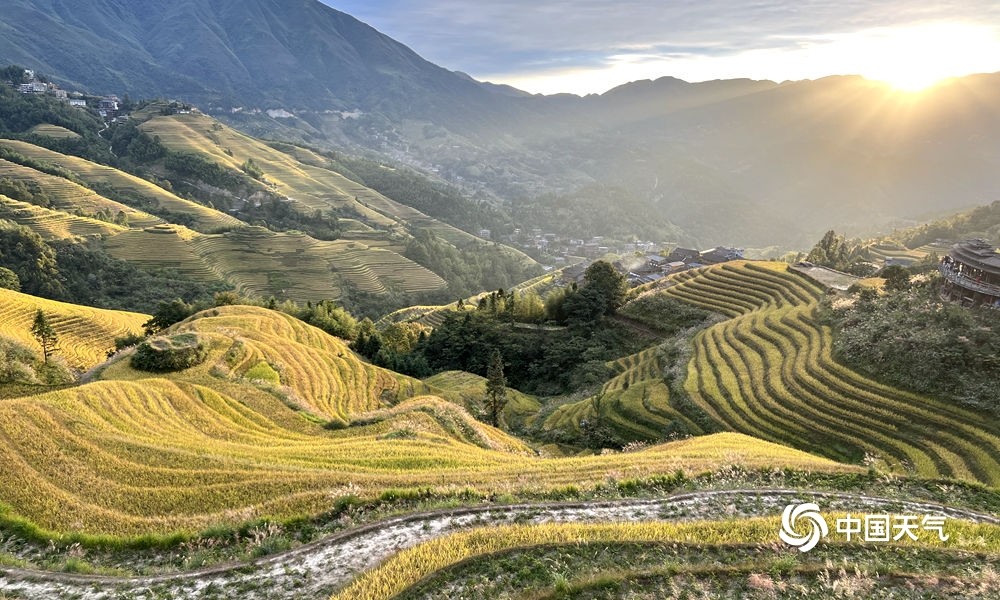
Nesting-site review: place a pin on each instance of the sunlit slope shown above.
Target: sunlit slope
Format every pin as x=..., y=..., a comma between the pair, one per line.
x=54, y=131
x=768, y=372
x=311, y=184
x=54, y=224
x=139, y=191
x=434, y=315
x=227, y=441
x=84, y=334
x=264, y=263
x=71, y=197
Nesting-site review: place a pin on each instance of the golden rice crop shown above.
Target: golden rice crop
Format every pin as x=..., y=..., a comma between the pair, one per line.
x=410, y=566
x=136, y=453
x=85, y=334
x=769, y=372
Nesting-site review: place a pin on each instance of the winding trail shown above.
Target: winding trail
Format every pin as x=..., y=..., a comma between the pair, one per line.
x=316, y=569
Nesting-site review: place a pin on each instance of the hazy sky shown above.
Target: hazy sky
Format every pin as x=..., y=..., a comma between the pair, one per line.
x=584, y=46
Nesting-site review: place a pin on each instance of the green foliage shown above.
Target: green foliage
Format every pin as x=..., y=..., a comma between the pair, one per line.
x=913, y=340
x=9, y=280
x=496, y=387
x=468, y=269
x=897, y=278
x=31, y=259
x=664, y=314
x=168, y=313
x=545, y=361
x=128, y=141
x=834, y=252
x=187, y=164
x=608, y=284
x=42, y=331
x=252, y=169
x=90, y=276
x=262, y=371
x=983, y=221
x=13, y=74
x=126, y=341
x=17, y=362
x=331, y=318
x=168, y=354
x=20, y=112
x=25, y=191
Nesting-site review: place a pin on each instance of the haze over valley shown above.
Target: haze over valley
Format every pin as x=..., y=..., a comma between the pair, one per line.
x=427, y=299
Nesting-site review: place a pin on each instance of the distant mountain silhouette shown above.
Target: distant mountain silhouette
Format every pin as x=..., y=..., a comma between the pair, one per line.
x=735, y=161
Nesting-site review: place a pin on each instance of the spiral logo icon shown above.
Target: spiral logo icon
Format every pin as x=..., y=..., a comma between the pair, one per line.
x=809, y=512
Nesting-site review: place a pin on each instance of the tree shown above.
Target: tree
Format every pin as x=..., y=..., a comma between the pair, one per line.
x=9, y=280
x=45, y=335
x=611, y=285
x=167, y=314
x=897, y=278
x=496, y=387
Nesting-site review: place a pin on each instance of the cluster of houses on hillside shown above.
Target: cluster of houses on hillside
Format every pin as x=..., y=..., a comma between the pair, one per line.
x=653, y=267
x=109, y=107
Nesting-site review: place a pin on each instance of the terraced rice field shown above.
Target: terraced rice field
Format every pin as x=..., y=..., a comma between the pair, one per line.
x=163, y=246
x=54, y=224
x=54, y=131
x=434, y=315
x=134, y=453
x=85, y=334
x=310, y=188
x=70, y=197
x=207, y=220
x=768, y=372
x=899, y=254
x=939, y=248
x=264, y=263
x=469, y=390
x=308, y=183
x=727, y=558
x=635, y=403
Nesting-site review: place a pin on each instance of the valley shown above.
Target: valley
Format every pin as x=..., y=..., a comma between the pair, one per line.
x=288, y=311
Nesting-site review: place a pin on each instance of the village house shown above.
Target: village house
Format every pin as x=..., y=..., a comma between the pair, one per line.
x=720, y=255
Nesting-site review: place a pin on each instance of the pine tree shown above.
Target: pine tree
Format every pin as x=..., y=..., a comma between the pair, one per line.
x=45, y=335
x=496, y=387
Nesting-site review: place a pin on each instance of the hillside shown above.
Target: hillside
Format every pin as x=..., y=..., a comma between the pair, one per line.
x=140, y=193
x=239, y=437
x=85, y=334
x=269, y=54
x=716, y=155
x=366, y=261
x=767, y=371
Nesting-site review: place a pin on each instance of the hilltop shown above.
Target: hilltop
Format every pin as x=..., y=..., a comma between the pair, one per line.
x=85, y=334
x=715, y=156
x=240, y=437
x=179, y=191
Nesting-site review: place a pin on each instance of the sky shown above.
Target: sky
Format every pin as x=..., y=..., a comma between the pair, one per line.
x=586, y=46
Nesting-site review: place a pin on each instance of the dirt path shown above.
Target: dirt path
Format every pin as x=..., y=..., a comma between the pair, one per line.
x=315, y=570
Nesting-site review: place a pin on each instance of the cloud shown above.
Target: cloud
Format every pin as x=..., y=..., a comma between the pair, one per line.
x=522, y=39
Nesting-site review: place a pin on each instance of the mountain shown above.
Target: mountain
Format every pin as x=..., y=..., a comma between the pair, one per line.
x=297, y=54
x=754, y=163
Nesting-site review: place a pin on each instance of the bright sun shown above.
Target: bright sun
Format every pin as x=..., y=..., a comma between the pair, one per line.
x=915, y=58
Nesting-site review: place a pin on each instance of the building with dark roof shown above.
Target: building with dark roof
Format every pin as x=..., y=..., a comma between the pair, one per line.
x=972, y=274
x=720, y=254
